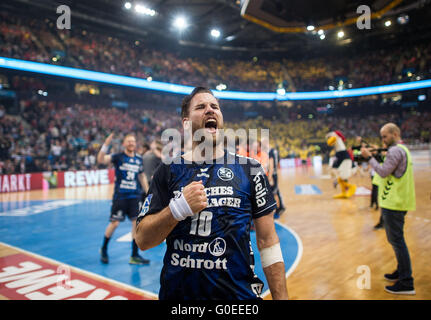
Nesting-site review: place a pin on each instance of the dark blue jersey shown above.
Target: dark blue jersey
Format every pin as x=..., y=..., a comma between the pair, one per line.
x=209, y=255
x=127, y=170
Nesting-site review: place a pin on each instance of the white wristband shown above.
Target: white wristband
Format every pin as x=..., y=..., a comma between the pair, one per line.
x=271, y=255
x=104, y=148
x=180, y=208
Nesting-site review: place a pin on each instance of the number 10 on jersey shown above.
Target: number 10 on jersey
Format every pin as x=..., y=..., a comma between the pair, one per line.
x=201, y=223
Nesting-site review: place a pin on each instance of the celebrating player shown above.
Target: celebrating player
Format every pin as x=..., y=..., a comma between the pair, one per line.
x=129, y=181
x=203, y=207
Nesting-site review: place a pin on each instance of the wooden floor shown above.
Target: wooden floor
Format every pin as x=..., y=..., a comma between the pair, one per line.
x=337, y=236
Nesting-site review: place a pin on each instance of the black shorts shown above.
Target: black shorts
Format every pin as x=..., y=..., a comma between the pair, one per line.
x=125, y=207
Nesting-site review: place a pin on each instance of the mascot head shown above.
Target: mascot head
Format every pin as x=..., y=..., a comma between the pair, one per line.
x=336, y=139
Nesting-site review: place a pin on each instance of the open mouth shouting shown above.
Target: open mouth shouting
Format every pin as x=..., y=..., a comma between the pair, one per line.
x=211, y=125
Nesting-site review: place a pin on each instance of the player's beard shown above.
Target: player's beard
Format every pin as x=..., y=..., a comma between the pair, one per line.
x=206, y=143
x=202, y=135
x=131, y=149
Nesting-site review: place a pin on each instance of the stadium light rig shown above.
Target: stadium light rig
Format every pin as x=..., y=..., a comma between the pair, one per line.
x=180, y=23
x=221, y=87
x=215, y=33
x=101, y=77
x=281, y=91
x=403, y=19
x=141, y=9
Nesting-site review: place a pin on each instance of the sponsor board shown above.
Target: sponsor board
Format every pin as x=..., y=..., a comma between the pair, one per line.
x=20, y=182
x=62, y=179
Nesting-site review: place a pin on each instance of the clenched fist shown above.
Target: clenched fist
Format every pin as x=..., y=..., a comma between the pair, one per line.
x=192, y=200
x=194, y=193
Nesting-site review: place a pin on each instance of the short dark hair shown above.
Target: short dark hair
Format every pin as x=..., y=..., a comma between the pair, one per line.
x=186, y=100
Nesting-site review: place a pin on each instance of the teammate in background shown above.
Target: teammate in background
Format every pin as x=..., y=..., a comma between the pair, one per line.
x=273, y=161
x=203, y=207
x=129, y=181
x=243, y=148
x=152, y=159
x=261, y=155
x=143, y=149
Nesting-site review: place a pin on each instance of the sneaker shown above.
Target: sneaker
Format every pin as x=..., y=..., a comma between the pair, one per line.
x=138, y=260
x=392, y=276
x=104, y=257
x=378, y=226
x=399, y=288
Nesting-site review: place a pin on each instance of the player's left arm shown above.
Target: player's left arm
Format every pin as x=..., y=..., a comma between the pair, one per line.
x=272, y=260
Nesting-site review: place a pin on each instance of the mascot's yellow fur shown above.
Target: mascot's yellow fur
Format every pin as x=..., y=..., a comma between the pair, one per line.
x=343, y=164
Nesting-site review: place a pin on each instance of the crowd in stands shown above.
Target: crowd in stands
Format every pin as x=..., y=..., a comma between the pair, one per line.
x=51, y=135
x=293, y=136
x=65, y=133
x=41, y=41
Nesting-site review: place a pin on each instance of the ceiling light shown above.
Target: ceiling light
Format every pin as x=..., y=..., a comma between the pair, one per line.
x=144, y=10
x=281, y=91
x=320, y=32
x=403, y=19
x=221, y=87
x=127, y=5
x=215, y=33
x=340, y=34
x=310, y=28
x=388, y=23
x=322, y=36
x=180, y=23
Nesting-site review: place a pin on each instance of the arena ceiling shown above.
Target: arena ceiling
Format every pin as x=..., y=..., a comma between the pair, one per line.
x=283, y=33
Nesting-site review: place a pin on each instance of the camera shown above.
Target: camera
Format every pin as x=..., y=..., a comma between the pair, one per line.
x=377, y=153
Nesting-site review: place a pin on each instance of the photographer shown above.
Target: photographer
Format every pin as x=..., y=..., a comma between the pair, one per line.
x=397, y=196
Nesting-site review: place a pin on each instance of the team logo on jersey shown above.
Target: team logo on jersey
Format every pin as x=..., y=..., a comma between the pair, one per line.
x=225, y=174
x=203, y=173
x=146, y=205
x=217, y=247
x=257, y=288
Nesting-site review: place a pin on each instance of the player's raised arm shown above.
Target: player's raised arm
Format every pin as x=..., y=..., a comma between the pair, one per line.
x=102, y=156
